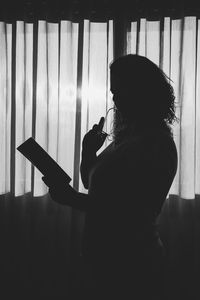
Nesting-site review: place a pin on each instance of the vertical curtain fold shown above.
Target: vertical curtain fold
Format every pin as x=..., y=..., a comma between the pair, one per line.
x=8, y=37
x=23, y=99
x=197, y=113
x=59, y=92
x=97, y=55
x=4, y=112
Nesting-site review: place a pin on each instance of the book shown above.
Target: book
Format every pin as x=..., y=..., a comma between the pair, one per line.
x=43, y=161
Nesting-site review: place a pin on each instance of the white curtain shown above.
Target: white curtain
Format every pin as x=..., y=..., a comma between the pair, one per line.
x=96, y=97
x=5, y=102
x=44, y=98
x=61, y=104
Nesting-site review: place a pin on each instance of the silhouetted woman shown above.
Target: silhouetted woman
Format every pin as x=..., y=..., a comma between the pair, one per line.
x=127, y=183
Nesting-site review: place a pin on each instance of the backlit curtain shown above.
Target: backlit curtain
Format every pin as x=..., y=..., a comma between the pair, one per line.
x=48, y=96
x=45, y=94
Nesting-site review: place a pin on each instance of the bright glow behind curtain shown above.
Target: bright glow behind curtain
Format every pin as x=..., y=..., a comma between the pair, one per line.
x=52, y=115
x=175, y=50
x=23, y=100
x=56, y=94
x=43, y=102
x=50, y=94
x=96, y=96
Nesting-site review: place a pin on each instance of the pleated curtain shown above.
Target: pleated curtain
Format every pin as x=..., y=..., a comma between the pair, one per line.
x=47, y=95
x=55, y=86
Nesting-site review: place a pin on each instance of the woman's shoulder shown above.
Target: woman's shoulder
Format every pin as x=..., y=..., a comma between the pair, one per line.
x=152, y=144
x=157, y=136
x=162, y=149
x=164, y=140
x=148, y=143
x=149, y=138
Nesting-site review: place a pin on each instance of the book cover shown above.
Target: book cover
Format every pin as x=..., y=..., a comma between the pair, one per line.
x=42, y=160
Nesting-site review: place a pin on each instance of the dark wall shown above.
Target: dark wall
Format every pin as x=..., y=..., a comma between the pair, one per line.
x=31, y=10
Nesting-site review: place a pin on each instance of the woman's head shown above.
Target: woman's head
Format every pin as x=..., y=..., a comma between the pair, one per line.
x=141, y=90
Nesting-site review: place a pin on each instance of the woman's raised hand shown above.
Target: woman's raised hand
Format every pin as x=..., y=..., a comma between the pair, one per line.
x=94, y=139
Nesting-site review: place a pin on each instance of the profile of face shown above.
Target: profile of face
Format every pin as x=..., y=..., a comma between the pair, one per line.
x=116, y=91
x=123, y=96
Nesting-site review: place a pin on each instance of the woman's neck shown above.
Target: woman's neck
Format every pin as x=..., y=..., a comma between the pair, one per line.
x=135, y=128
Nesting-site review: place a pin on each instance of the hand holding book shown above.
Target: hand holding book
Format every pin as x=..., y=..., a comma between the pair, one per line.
x=59, y=192
x=43, y=161
x=54, y=176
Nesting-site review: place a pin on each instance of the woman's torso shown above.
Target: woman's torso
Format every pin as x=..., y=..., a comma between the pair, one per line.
x=129, y=184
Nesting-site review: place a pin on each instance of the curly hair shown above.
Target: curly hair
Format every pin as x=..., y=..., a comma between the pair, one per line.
x=151, y=94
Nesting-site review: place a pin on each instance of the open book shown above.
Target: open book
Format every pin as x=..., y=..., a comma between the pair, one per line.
x=43, y=161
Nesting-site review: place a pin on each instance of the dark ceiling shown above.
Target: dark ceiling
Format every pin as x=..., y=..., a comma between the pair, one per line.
x=96, y=9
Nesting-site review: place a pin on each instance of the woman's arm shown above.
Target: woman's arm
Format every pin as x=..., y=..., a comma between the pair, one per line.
x=87, y=161
x=64, y=194
x=73, y=199
x=92, y=142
